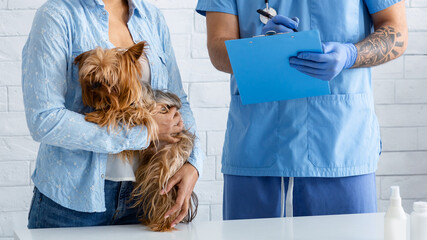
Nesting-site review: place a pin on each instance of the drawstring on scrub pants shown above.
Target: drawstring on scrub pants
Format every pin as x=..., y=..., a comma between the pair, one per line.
x=289, y=198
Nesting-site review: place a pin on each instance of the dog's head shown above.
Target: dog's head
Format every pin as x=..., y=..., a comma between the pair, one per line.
x=110, y=78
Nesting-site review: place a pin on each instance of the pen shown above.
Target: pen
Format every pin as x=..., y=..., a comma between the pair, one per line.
x=269, y=16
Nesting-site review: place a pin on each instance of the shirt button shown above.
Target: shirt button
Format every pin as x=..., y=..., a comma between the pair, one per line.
x=104, y=13
x=102, y=176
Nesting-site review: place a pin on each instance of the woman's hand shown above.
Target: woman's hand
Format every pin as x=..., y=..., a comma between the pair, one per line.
x=169, y=123
x=185, y=179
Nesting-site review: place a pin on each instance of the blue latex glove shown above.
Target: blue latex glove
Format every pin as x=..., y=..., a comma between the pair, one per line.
x=326, y=66
x=281, y=24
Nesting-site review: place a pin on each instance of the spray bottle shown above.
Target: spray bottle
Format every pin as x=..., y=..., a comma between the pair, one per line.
x=395, y=218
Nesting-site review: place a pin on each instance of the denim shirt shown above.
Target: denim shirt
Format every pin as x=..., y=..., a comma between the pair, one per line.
x=71, y=161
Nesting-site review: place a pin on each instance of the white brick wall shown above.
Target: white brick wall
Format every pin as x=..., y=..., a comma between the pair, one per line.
x=400, y=93
x=400, y=89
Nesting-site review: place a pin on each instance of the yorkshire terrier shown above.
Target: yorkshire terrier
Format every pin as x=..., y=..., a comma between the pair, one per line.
x=111, y=85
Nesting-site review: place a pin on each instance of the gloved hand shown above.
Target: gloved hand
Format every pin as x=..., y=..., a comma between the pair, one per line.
x=326, y=66
x=281, y=24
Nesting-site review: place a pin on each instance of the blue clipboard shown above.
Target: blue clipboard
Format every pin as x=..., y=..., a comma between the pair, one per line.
x=262, y=71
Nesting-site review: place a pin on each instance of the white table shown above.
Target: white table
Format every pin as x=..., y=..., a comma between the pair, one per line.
x=337, y=227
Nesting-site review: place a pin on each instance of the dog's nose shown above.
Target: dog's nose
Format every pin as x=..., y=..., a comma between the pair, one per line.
x=96, y=85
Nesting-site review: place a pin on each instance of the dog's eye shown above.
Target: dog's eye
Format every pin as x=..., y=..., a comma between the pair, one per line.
x=96, y=85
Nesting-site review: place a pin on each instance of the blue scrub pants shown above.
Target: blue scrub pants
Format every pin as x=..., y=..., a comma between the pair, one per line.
x=265, y=197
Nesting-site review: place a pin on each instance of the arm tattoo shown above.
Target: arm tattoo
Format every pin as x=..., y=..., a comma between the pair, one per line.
x=383, y=45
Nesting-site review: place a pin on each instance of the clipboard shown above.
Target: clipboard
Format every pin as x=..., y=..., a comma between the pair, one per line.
x=262, y=71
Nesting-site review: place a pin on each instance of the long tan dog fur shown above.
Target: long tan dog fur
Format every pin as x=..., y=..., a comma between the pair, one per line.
x=110, y=82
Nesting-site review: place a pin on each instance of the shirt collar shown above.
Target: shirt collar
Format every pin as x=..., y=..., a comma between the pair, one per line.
x=93, y=3
x=133, y=4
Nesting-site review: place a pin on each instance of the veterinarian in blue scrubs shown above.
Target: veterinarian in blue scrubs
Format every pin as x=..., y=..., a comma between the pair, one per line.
x=315, y=155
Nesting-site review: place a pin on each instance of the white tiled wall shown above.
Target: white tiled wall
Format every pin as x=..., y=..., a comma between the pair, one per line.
x=400, y=91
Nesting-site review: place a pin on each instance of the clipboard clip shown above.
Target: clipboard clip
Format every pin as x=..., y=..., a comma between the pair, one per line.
x=269, y=33
x=272, y=33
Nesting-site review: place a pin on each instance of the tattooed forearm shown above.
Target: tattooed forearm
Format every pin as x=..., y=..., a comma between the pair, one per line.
x=383, y=45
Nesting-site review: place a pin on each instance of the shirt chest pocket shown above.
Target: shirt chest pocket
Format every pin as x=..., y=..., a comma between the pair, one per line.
x=158, y=69
x=336, y=20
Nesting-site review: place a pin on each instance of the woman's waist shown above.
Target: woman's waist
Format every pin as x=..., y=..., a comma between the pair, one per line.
x=70, y=159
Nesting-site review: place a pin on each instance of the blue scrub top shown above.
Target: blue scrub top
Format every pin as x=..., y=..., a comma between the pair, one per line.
x=327, y=136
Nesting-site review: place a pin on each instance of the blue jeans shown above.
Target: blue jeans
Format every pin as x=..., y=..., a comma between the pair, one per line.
x=45, y=213
x=261, y=197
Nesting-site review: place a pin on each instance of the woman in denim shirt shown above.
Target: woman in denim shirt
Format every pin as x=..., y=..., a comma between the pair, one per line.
x=71, y=188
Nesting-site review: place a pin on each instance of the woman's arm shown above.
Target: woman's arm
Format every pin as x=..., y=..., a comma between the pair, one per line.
x=45, y=70
x=389, y=40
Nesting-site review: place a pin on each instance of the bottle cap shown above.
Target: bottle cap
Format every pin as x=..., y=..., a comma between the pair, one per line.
x=420, y=206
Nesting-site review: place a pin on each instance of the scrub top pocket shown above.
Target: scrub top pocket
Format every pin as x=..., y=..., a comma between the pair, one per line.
x=246, y=126
x=342, y=131
x=334, y=25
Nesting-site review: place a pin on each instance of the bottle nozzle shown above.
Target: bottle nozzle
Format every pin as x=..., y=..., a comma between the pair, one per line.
x=395, y=192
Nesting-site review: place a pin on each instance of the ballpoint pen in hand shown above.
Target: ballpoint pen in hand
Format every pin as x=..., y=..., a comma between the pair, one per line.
x=269, y=16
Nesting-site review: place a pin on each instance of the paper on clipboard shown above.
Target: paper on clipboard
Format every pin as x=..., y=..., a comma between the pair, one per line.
x=262, y=71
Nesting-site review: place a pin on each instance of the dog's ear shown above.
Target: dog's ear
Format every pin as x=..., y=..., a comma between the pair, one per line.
x=136, y=50
x=81, y=58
